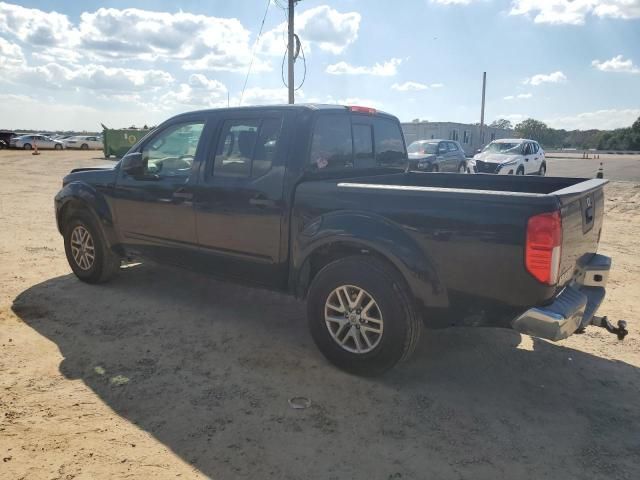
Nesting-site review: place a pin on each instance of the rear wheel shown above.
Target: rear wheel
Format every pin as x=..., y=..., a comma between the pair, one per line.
x=462, y=168
x=361, y=315
x=58, y=146
x=84, y=146
x=435, y=169
x=87, y=252
x=543, y=170
x=520, y=171
x=27, y=146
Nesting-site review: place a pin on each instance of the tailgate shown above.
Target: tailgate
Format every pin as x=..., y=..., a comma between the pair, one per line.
x=582, y=210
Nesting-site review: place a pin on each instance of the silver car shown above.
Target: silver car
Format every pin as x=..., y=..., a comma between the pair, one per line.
x=437, y=156
x=29, y=142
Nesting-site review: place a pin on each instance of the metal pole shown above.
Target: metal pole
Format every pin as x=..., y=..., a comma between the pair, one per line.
x=290, y=53
x=484, y=87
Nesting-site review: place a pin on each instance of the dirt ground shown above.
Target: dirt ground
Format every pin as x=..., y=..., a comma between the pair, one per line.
x=164, y=374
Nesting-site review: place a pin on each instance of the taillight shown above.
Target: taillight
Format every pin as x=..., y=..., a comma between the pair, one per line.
x=367, y=110
x=543, y=247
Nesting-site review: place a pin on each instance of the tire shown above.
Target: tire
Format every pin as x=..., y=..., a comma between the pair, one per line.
x=394, y=314
x=105, y=263
x=27, y=146
x=543, y=169
x=520, y=171
x=462, y=168
x=84, y=146
x=58, y=146
x=434, y=169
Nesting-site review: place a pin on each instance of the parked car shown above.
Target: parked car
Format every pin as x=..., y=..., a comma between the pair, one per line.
x=316, y=201
x=437, y=156
x=29, y=142
x=511, y=156
x=84, y=143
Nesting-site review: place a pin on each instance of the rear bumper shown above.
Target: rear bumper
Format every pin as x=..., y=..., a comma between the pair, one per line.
x=573, y=308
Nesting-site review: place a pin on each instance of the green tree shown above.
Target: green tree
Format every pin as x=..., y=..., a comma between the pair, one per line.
x=532, y=129
x=501, y=123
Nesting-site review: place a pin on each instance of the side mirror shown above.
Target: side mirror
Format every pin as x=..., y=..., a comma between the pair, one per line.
x=132, y=164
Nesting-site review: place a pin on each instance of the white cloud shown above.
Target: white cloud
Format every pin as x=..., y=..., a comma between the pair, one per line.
x=601, y=119
x=198, y=92
x=616, y=64
x=91, y=77
x=519, y=96
x=512, y=117
x=320, y=26
x=36, y=27
x=453, y=2
x=265, y=96
x=386, y=69
x=555, y=77
x=409, y=86
x=10, y=54
x=574, y=12
x=108, y=34
x=436, y=85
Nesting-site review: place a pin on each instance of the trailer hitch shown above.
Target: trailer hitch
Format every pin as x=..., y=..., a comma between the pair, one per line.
x=603, y=322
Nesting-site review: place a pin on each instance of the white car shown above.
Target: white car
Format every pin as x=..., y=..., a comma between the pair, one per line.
x=510, y=156
x=29, y=142
x=83, y=143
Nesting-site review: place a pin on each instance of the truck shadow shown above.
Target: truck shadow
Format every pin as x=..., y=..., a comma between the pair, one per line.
x=207, y=368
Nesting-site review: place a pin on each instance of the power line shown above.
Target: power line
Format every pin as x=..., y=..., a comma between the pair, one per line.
x=253, y=51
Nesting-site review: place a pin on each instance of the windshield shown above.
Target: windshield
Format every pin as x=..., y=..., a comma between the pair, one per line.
x=422, y=147
x=503, y=147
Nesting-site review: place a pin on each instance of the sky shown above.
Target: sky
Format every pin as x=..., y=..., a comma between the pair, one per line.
x=573, y=64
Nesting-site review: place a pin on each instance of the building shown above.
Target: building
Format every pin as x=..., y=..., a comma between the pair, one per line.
x=466, y=135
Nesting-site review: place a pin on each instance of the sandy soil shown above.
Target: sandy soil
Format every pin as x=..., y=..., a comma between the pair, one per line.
x=163, y=374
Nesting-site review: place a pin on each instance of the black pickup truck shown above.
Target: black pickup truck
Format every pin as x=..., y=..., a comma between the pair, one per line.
x=317, y=201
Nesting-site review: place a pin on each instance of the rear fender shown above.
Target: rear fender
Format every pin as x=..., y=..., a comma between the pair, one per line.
x=370, y=234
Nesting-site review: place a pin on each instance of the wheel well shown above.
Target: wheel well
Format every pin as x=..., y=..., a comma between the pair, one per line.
x=69, y=210
x=326, y=254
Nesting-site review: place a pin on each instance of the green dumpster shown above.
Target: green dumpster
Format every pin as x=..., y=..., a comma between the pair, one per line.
x=118, y=141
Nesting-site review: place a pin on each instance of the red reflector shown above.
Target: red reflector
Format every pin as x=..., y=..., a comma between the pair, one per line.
x=543, y=247
x=367, y=110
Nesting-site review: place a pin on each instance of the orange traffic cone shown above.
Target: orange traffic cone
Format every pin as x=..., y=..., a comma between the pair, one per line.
x=35, y=152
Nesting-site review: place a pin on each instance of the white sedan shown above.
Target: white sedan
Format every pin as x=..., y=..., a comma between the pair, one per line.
x=29, y=142
x=83, y=143
x=510, y=156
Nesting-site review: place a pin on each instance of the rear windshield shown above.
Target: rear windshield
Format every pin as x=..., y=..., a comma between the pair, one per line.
x=351, y=141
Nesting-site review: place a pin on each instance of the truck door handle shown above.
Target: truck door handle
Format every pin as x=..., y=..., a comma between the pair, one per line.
x=261, y=202
x=588, y=214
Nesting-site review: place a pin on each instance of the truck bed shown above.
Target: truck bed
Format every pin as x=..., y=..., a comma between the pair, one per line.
x=472, y=227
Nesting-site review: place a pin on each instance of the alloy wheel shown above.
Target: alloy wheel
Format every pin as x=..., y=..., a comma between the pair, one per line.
x=353, y=319
x=82, y=247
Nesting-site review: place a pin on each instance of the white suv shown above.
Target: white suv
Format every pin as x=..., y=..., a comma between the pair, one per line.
x=510, y=156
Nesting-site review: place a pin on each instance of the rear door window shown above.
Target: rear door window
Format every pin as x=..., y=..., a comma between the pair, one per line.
x=246, y=148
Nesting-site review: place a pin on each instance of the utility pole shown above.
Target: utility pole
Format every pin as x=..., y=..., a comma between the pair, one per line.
x=484, y=88
x=290, y=53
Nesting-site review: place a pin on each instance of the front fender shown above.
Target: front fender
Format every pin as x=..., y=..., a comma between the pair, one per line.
x=377, y=235
x=80, y=195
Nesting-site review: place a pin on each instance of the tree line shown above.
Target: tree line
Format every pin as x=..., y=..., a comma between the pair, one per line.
x=618, y=139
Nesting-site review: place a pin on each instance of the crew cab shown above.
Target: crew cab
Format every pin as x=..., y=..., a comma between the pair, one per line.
x=317, y=201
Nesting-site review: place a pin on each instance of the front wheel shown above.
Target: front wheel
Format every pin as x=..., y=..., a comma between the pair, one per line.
x=84, y=146
x=58, y=146
x=463, y=168
x=520, y=171
x=27, y=146
x=87, y=251
x=361, y=315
